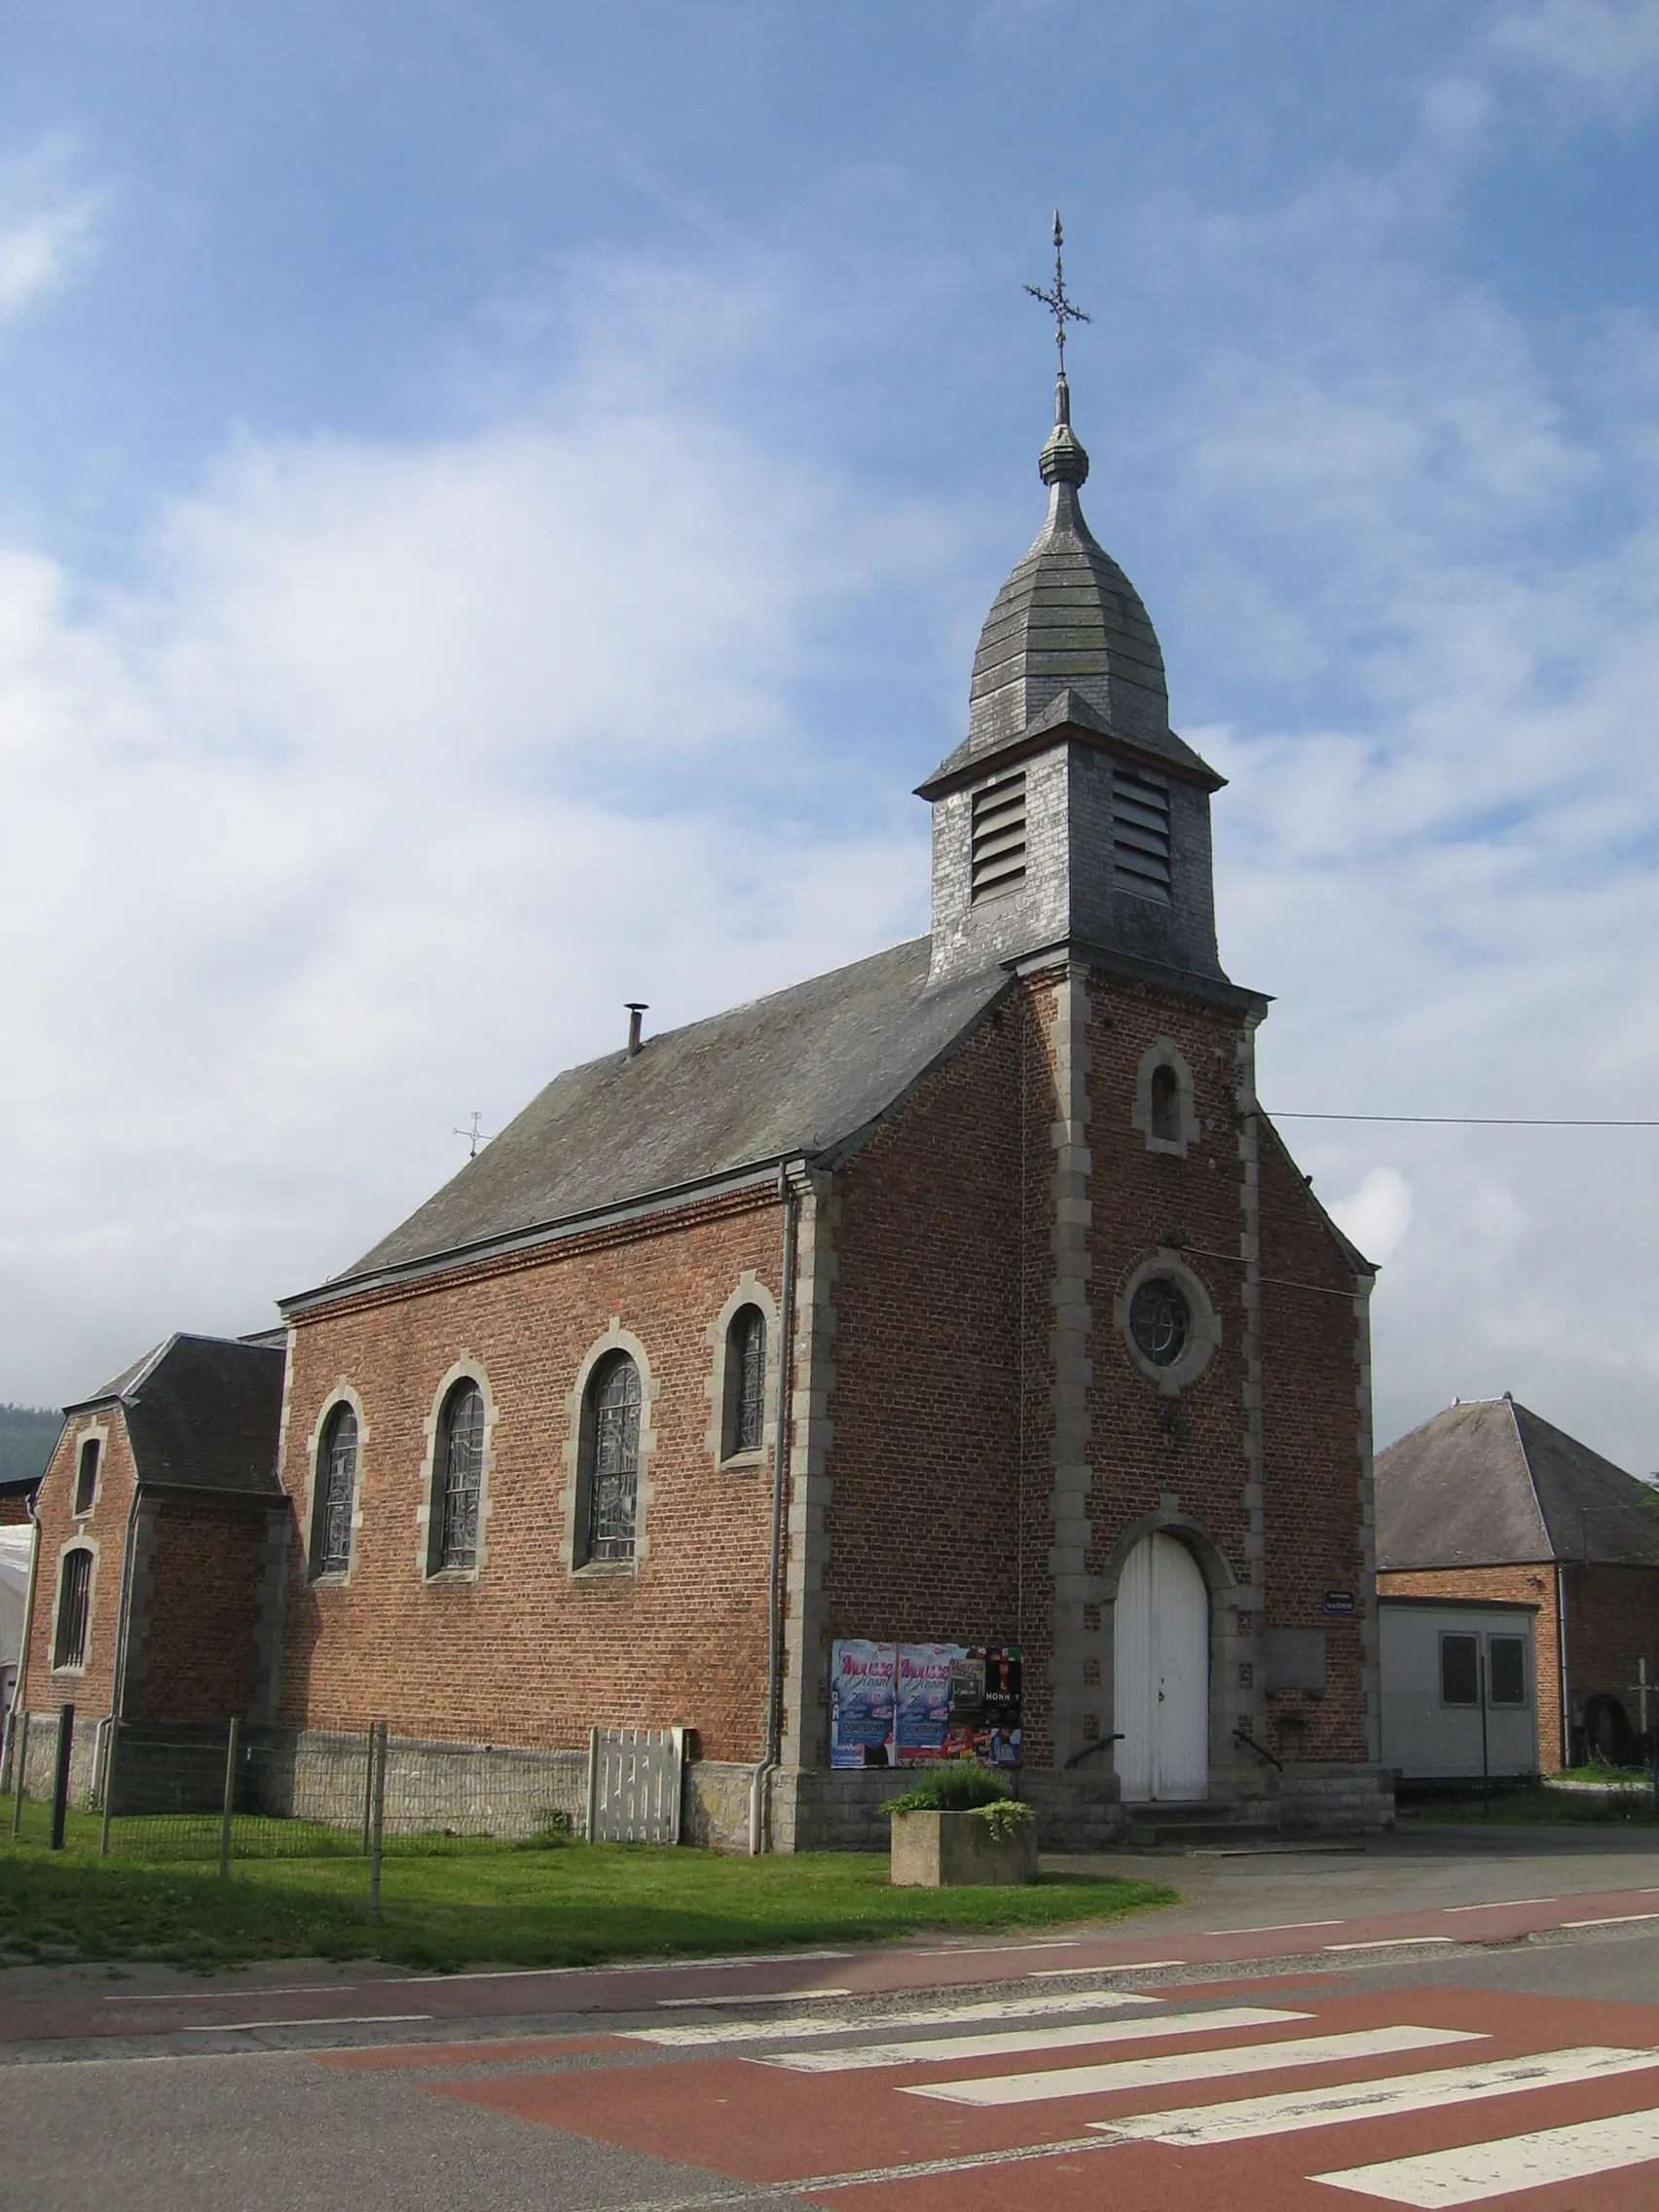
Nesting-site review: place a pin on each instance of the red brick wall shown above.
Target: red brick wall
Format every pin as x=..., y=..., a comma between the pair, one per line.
x=526, y=1654
x=1534, y=1585
x=1612, y=1623
x=197, y=1656
x=924, y=1514
x=14, y=1510
x=1311, y=1421
x=90, y=1690
x=1144, y=1445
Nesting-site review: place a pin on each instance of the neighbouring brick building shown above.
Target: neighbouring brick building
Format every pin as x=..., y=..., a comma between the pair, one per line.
x=161, y=1536
x=963, y=1296
x=1489, y=1501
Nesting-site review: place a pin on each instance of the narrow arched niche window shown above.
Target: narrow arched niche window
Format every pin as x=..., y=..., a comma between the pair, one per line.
x=457, y=1473
x=611, y=1461
x=336, y=1493
x=1165, y=1104
x=743, y=1425
x=87, y=1476
x=74, y=1609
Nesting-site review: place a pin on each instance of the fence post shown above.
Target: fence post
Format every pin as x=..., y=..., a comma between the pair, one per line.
x=368, y=1786
x=593, y=1785
x=60, y=1775
x=233, y=1746
x=377, y=1814
x=21, y=1759
x=109, y=1785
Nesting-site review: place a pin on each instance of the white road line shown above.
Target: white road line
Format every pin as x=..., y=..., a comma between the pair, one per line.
x=751, y=1997
x=320, y=2020
x=933, y=2050
x=1475, y=2172
x=1190, y=2066
x=920, y=2017
x=1276, y=1928
x=1499, y=1905
x=1388, y=1943
x=1249, y=2117
x=1612, y=1920
x=1117, y=1966
x=505, y=1974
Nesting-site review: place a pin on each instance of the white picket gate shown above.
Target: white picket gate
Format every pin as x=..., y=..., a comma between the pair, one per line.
x=634, y=1784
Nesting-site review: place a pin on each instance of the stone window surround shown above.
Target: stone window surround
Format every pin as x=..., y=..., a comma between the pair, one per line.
x=75, y=1543
x=466, y=1368
x=340, y=1394
x=1201, y=1344
x=717, y=1385
x=95, y=1433
x=615, y=1339
x=1165, y=1053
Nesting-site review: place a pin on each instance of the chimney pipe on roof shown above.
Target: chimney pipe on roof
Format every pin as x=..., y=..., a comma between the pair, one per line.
x=637, y=1009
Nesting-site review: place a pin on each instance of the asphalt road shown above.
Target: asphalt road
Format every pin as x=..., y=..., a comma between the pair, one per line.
x=1446, y=2020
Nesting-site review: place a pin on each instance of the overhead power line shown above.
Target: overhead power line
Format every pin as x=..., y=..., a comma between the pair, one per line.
x=1471, y=1121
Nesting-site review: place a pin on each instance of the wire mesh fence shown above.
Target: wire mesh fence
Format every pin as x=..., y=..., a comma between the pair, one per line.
x=224, y=1792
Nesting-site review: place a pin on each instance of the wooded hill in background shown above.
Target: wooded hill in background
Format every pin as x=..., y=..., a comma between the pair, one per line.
x=27, y=1434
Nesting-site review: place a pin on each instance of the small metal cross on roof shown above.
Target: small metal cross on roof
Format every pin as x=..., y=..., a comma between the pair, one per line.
x=475, y=1135
x=1056, y=302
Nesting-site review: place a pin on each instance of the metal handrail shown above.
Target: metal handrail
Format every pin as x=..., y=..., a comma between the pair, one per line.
x=1250, y=1745
x=1101, y=1744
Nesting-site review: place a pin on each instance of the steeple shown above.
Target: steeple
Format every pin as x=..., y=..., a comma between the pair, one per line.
x=1068, y=699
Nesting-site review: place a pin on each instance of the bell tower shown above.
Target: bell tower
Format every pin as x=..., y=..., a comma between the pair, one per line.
x=1071, y=814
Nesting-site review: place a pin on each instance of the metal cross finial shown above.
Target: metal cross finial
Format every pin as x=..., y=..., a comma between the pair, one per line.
x=475, y=1135
x=1056, y=302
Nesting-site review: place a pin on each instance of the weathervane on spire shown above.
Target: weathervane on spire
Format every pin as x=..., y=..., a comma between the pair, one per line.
x=1058, y=306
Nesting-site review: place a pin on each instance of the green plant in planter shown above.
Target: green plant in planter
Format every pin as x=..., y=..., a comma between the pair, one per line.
x=1007, y=1817
x=954, y=1786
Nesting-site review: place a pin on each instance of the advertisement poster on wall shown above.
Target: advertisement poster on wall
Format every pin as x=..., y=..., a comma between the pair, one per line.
x=925, y=1672
x=894, y=1705
x=862, y=1679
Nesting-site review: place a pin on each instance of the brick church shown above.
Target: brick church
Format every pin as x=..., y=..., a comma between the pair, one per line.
x=961, y=1298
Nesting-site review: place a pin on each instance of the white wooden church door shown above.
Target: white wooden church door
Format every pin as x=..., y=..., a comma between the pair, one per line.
x=1160, y=1669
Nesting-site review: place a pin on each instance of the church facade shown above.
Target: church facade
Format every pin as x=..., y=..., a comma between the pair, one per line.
x=962, y=1297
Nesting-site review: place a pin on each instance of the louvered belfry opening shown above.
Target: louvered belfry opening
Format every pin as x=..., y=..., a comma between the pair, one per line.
x=998, y=860
x=1140, y=834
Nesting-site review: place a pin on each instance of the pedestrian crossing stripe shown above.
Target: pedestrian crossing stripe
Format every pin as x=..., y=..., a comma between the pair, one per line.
x=694, y=2034
x=1251, y=2117
x=1189, y=2066
x=933, y=2050
x=1438, y=2180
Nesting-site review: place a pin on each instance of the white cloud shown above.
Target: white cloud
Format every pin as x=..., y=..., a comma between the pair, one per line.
x=1377, y=1215
x=1607, y=50
x=48, y=224
x=399, y=770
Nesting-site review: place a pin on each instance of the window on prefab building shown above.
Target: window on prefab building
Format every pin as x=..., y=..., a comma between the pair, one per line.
x=74, y=1602
x=611, y=1452
x=1506, y=1669
x=87, y=1476
x=459, y=1471
x=336, y=1490
x=746, y=1381
x=1460, y=1670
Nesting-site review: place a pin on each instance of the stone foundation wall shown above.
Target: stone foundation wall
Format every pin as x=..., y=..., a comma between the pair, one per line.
x=814, y=1809
x=1335, y=1801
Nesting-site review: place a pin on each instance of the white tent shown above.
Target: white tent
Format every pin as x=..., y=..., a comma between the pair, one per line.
x=14, y=1547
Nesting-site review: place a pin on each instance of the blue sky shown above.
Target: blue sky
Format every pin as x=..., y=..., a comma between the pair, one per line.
x=496, y=505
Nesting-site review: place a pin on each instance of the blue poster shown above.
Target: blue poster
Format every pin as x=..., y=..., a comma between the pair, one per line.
x=861, y=1704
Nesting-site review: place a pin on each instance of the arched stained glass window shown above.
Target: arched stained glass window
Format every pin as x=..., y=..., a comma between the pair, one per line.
x=746, y=1381
x=459, y=1476
x=336, y=1493
x=612, y=1443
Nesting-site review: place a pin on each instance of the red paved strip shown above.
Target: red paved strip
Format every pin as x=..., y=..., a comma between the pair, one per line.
x=485, y=2052
x=639, y=1988
x=754, y=2124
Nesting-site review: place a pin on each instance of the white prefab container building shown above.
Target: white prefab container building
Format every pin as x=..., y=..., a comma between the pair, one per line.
x=1452, y=1669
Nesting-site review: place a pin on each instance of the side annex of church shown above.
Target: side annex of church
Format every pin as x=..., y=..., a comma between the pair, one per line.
x=963, y=1296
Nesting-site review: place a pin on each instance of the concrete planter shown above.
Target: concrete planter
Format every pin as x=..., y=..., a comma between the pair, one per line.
x=934, y=1850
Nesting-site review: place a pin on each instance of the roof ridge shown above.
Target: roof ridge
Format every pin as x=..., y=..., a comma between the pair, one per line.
x=1514, y=1412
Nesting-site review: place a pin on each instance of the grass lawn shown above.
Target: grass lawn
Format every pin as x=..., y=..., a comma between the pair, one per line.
x=1533, y=1805
x=496, y=1905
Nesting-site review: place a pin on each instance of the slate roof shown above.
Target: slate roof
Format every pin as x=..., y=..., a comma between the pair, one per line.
x=1068, y=620
x=1490, y=1484
x=806, y=1072
x=202, y=1413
